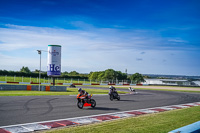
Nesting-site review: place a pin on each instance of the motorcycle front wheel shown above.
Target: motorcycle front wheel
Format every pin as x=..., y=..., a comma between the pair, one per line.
x=80, y=104
x=111, y=97
x=93, y=103
x=118, y=97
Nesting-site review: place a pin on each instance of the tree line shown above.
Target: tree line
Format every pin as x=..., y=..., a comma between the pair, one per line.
x=25, y=71
x=106, y=75
x=110, y=74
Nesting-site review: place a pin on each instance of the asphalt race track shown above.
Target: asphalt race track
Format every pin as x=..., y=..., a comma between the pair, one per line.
x=28, y=109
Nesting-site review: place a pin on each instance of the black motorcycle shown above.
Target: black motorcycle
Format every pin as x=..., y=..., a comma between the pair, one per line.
x=72, y=86
x=114, y=95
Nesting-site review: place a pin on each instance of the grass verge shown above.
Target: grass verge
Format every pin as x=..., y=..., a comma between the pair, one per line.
x=151, y=123
x=168, y=90
x=160, y=89
x=70, y=91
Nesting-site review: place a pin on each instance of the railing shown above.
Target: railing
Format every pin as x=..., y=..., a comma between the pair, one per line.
x=60, y=80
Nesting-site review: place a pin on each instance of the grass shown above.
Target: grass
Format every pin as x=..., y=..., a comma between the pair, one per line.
x=42, y=80
x=70, y=91
x=158, y=89
x=169, y=90
x=152, y=123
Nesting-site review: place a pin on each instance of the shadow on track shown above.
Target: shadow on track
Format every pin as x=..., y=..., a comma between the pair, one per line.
x=102, y=108
x=127, y=100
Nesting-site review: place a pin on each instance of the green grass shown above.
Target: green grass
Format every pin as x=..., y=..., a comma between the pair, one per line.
x=169, y=90
x=158, y=89
x=42, y=80
x=70, y=91
x=152, y=123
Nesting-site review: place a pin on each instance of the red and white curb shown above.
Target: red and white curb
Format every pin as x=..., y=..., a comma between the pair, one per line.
x=36, y=126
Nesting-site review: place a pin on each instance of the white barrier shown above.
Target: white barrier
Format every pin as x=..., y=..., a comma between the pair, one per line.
x=67, y=83
x=46, y=83
x=86, y=84
x=24, y=83
x=103, y=84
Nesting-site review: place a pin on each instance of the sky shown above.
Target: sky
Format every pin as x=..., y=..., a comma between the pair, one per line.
x=144, y=36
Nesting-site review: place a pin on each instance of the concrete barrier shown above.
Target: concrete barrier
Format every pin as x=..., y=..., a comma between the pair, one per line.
x=67, y=83
x=118, y=84
x=13, y=87
x=24, y=83
x=95, y=84
x=86, y=84
x=111, y=84
x=102, y=84
x=133, y=84
x=77, y=84
x=58, y=88
x=45, y=83
x=28, y=87
x=47, y=88
x=33, y=87
x=126, y=84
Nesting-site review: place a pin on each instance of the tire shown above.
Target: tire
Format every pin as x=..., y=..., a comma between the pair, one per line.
x=118, y=97
x=111, y=97
x=80, y=104
x=93, y=103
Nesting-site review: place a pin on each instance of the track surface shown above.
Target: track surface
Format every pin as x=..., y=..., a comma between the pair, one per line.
x=28, y=109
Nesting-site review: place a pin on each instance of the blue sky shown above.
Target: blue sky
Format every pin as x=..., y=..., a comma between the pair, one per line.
x=145, y=36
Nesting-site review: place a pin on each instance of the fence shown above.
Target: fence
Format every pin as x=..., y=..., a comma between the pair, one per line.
x=60, y=80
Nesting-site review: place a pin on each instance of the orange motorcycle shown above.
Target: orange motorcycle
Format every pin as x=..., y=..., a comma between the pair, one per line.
x=84, y=100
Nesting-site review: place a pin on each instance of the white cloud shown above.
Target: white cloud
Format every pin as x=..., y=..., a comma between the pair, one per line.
x=88, y=50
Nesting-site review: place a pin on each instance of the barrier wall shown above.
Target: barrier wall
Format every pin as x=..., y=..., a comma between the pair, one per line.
x=13, y=87
x=72, y=83
x=192, y=128
x=33, y=88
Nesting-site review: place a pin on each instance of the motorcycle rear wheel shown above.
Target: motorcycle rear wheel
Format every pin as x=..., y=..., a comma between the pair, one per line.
x=80, y=104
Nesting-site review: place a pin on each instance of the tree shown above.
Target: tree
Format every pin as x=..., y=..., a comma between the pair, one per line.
x=110, y=74
x=94, y=76
x=137, y=78
x=25, y=70
x=101, y=76
x=120, y=75
x=73, y=73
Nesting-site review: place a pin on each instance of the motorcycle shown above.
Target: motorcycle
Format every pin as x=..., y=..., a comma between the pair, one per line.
x=114, y=95
x=83, y=101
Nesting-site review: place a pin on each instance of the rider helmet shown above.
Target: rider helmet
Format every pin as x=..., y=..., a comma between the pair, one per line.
x=110, y=87
x=79, y=89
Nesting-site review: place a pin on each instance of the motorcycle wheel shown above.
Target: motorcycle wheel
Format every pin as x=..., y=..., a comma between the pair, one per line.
x=80, y=104
x=118, y=98
x=93, y=103
x=111, y=97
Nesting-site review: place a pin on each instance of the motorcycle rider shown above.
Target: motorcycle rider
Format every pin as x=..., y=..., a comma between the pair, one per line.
x=112, y=89
x=131, y=89
x=83, y=93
